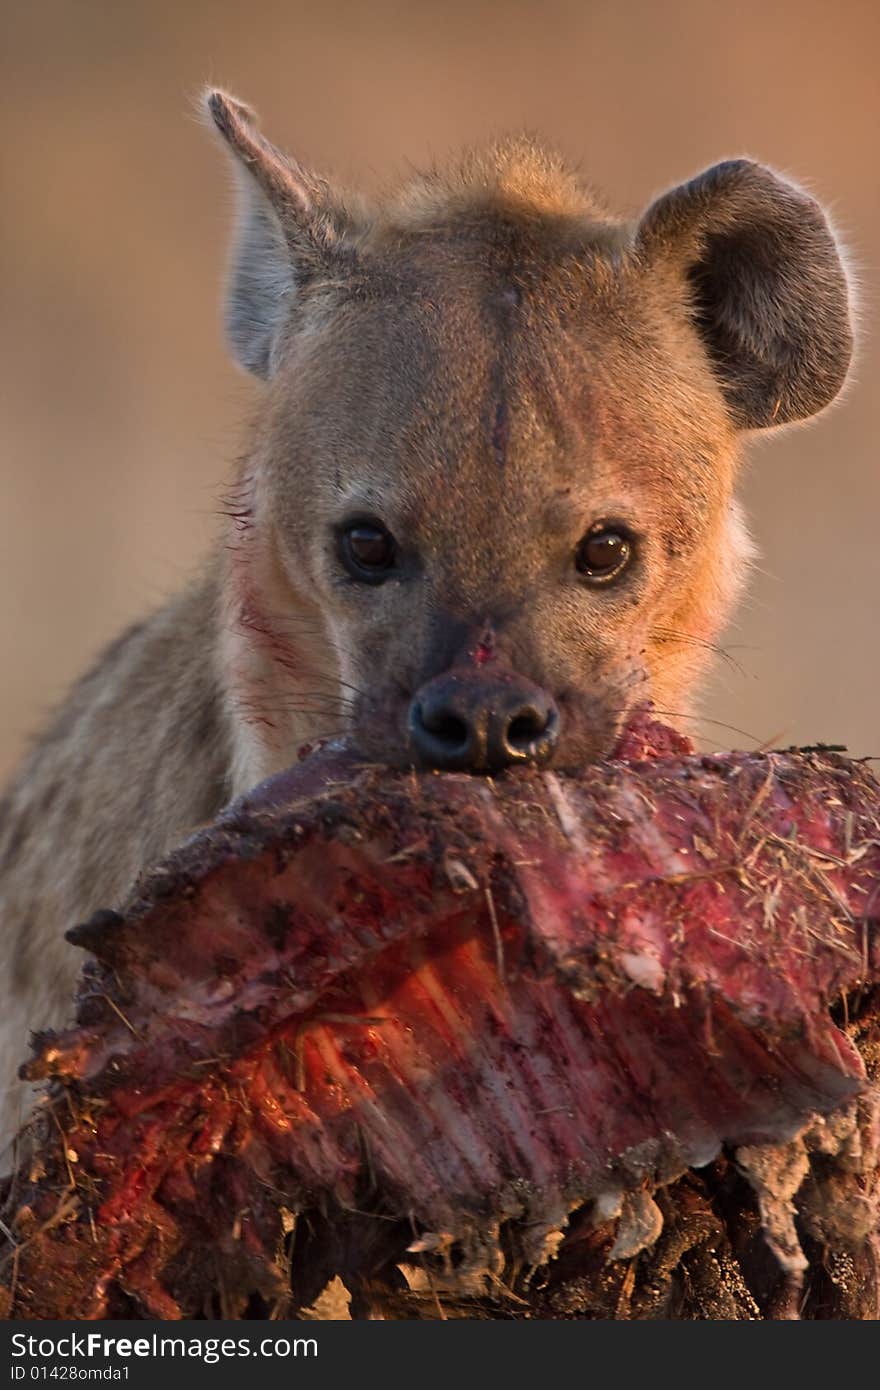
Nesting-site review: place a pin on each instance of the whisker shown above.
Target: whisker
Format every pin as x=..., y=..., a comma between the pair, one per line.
x=705, y=719
x=664, y=634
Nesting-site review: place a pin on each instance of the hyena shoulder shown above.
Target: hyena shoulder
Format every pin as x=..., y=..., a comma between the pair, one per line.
x=101, y=792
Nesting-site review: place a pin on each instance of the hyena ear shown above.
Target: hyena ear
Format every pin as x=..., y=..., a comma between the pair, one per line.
x=291, y=228
x=768, y=289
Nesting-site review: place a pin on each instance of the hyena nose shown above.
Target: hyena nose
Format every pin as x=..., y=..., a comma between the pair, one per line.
x=481, y=724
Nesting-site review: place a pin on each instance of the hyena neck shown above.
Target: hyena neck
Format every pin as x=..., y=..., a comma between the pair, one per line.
x=274, y=660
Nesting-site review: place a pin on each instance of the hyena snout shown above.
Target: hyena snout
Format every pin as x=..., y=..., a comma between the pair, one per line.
x=481, y=723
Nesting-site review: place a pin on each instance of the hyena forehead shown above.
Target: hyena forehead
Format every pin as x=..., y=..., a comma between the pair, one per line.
x=540, y=388
x=737, y=300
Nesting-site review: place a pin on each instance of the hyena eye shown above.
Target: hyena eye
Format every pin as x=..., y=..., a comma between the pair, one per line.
x=368, y=551
x=603, y=553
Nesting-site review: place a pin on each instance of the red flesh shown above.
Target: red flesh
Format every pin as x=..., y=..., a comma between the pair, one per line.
x=472, y=1006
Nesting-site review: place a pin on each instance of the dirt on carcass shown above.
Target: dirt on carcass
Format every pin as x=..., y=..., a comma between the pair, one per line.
x=420, y=1046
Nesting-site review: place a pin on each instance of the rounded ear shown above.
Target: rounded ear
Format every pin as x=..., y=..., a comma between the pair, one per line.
x=768, y=289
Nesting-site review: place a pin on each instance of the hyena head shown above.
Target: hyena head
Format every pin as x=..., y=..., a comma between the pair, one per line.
x=490, y=506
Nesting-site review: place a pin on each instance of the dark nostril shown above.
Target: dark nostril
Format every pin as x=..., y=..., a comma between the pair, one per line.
x=445, y=726
x=445, y=733
x=525, y=728
x=529, y=734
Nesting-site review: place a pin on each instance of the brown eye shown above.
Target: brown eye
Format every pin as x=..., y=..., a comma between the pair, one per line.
x=368, y=551
x=604, y=553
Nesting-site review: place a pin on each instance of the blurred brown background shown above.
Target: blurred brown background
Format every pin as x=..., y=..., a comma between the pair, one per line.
x=121, y=413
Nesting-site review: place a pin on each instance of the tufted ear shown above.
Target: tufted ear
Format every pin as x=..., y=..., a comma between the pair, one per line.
x=291, y=228
x=768, y=289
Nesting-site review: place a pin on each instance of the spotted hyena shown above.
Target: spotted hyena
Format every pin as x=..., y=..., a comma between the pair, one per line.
x=487, y=507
